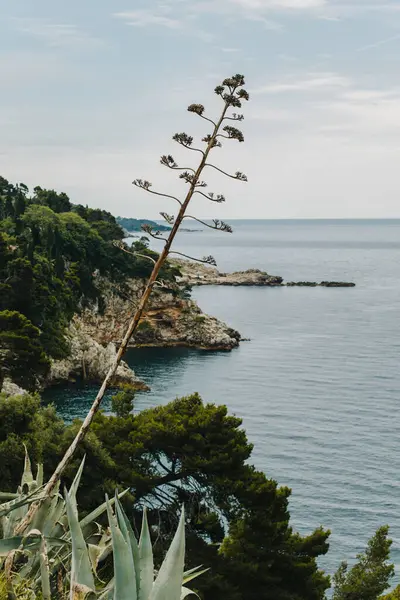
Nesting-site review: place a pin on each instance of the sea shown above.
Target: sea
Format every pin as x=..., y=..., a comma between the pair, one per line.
x=318, y=383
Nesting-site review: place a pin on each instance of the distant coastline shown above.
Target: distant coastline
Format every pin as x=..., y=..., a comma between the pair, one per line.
x=136, y=225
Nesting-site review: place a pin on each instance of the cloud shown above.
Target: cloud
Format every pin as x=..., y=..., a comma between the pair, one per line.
x=19, y=68
x=313, y=82
x=56, y=34
x=379, y=43
x=280, y=4
x=145, y=17
x=371, y=114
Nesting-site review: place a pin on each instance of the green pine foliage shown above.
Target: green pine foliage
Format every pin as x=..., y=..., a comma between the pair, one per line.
x=370, y=576
x=237, y=520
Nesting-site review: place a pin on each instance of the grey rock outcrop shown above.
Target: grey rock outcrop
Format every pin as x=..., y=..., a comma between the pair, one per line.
x=12, y=389
x=168, y=321
x=89, y=360
x=196, y=274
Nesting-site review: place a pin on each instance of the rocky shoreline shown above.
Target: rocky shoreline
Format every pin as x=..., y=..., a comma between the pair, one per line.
x=197, y=274
x=170, y=320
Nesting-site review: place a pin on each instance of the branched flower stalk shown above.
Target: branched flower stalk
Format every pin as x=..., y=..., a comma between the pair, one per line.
x=232, y=94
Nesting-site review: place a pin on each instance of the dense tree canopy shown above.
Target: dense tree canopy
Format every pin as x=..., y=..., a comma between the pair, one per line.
x=53, y=256
x=186, y=451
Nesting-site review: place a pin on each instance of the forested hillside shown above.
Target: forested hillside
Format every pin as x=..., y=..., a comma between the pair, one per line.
x=52, y=256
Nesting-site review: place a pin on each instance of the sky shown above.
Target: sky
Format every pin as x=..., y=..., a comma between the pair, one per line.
x=93, y=90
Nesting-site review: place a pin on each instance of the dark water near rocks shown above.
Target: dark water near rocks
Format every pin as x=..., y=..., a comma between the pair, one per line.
x=318, y=385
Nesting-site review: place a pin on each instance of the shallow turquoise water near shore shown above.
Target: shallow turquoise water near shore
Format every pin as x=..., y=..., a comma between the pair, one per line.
x=318, y=385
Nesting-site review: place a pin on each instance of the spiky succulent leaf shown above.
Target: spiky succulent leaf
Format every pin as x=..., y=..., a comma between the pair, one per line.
x=129, y=535
x=43, y=515
x=168, y=584
x=9, y=544
x=27, y=476
x=82, y=592
x=20, y=501
x=81, y=572
x=192, y=574
x=44, y=570
x=124, y=571
x=95, y=514
x=75, y=484
x=146, y=560
x=39, y=475
x=185, y=592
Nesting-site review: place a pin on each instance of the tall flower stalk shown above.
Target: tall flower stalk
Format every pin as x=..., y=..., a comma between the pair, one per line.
x=232, y=93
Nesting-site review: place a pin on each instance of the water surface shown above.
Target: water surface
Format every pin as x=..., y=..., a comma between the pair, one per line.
x=318, y=384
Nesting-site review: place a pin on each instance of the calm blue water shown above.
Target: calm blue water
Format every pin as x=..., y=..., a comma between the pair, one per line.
x=318, y=385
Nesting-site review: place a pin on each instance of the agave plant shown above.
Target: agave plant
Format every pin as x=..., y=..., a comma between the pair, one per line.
x=58, y=539
x=133, y=561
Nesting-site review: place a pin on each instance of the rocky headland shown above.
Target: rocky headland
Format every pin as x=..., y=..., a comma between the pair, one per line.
x=171, y=319
x=196, y=274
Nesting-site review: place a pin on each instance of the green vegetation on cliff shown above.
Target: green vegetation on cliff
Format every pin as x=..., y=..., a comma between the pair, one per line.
x=53, y=255
x=132, y=225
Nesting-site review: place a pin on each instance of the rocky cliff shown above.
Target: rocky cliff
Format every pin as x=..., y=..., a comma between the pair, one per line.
x=168, y=321
x=89, y=360
x=95, y=334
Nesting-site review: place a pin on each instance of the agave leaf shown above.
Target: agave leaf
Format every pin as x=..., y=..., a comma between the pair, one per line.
x=193, y=573
x=185, y=592
x=94, y=553
x=59, y=521
x=99, y=511
x=146, y=560
x=75, y=484
x=108, y=592
x=82, y=592
x=8, y=496
x=9, y=544
x=124, y=571
x=39, y=475
x=20, y=501
x=97, y=553
x=169, y=579
x=130, y=537
x=44, y=570
x=56, y=510
x=42, y=515
x=27, y=476
x=7, y=527
x=81, y=572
